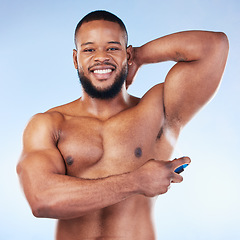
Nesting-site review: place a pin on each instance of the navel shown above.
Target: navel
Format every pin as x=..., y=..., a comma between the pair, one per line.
x=138, y=152
x=69, y=160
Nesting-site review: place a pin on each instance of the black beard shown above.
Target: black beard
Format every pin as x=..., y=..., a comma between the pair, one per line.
x=107, y=93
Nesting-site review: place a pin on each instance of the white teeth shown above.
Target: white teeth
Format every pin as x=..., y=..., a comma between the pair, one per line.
x=102, y=71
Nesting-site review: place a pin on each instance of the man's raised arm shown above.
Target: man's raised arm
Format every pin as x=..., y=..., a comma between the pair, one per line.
x=201, y=57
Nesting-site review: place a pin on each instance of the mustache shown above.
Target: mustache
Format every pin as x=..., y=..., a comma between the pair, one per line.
x=102, y=64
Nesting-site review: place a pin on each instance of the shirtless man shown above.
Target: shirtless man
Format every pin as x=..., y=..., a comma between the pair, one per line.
x=95, y=164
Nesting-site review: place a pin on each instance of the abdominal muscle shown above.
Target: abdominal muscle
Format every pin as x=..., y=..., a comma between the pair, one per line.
x=128, y=220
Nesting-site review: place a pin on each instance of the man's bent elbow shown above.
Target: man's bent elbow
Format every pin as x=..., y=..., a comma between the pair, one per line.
x=224, y=39
x=41, y=208
x=38, y=208
x=222, y=42
x=216, y=48
x=36, y=211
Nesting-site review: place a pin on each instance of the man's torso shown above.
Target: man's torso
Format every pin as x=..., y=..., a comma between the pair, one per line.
x=93, y=148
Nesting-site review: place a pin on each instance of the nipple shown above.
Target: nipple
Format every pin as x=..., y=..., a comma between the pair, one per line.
x=138, y=152
x=69, y=160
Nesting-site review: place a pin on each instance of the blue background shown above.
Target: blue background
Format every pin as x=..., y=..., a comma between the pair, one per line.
x=37, y=73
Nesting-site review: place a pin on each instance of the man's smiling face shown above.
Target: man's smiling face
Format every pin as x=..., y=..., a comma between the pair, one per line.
x=101, y=55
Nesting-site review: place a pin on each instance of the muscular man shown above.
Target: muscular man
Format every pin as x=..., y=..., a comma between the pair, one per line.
x=95, y=164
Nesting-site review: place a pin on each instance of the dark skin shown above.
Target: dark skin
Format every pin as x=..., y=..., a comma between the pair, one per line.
x=97, y=164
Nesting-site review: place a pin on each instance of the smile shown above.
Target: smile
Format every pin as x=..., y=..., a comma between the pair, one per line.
x=102, y=71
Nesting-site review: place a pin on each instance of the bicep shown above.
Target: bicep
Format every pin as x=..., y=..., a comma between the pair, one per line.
x=41, y=163
x=190, y=85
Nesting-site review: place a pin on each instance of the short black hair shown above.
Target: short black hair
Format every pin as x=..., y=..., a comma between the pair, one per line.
x=101, y=15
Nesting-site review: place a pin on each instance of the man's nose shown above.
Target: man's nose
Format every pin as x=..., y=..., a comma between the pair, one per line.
x=101, y=56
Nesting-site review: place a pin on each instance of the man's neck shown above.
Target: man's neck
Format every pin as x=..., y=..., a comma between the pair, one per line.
x=104, y=109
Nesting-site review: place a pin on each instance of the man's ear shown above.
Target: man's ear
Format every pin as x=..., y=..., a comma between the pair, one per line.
x=75, y=58
x=130, y=54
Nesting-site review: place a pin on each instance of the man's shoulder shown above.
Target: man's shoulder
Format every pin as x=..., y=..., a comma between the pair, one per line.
x=47, y=120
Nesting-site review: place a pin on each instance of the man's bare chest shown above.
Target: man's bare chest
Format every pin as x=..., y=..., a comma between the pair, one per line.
x=92, y=148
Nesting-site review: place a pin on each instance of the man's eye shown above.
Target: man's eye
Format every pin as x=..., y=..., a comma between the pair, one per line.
x=88, y=50
x=112, y=49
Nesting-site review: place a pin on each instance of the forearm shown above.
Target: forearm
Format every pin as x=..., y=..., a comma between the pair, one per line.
x=54, y=195
x=182, y=46
x=66, y=197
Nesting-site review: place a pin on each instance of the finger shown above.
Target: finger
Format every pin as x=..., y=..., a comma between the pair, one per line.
x=180, y=162
x=177, y=178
